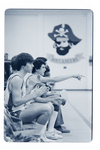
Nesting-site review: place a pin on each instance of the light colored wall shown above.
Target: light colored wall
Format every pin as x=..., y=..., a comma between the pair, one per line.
x=27, y=31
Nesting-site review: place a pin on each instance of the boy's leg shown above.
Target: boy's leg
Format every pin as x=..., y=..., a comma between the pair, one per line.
x=59, y=122
x=51, y=134
x=52, y=121
x=39, y=111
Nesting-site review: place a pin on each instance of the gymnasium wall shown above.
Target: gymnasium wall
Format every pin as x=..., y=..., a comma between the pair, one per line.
x=27, y=31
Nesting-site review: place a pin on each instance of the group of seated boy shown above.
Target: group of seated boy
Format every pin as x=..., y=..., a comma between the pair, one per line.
x=29, y=96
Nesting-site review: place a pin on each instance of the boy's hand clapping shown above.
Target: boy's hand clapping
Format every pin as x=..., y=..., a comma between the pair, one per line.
x=39, y=91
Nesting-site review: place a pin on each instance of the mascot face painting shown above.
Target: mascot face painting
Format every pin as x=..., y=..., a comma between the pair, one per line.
x=64, y=38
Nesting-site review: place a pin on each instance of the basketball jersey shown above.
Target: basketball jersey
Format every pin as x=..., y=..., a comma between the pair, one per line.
x=36, y=82
x=8, y=96
x=25, y=83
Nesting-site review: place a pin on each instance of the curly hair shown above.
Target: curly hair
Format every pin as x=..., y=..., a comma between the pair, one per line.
x=37, y=64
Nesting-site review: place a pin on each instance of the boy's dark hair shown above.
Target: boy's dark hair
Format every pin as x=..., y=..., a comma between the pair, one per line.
x=13, y=63
x=47, y=69
x=22, y=59
x=47, y=72
x=37, y=64
x=42, y=58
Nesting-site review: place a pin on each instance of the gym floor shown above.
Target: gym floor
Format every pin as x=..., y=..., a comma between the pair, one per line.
x=77, y=115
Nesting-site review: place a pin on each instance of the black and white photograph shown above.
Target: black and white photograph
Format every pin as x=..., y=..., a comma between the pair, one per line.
x=48, y=75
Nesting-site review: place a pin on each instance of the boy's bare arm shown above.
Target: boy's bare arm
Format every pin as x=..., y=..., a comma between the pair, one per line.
x=16, y=93
x=46, y=99
x=60, y=78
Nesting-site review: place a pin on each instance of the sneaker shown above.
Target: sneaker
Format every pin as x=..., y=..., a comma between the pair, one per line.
x=62, y=129
x=43, y=138
x=59, y=136
x=53, y=135
x=58, y=132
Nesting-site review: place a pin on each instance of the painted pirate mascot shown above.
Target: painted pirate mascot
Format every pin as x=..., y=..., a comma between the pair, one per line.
x=64, y=38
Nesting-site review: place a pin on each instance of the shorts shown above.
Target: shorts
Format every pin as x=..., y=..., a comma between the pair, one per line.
x=16, y=113
x=56, y=107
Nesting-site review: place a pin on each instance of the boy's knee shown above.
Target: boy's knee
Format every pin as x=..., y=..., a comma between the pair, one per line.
x=49, y=108
x=52, y=107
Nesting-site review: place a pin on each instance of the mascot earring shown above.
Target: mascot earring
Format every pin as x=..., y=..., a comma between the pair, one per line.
x=54, y=45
